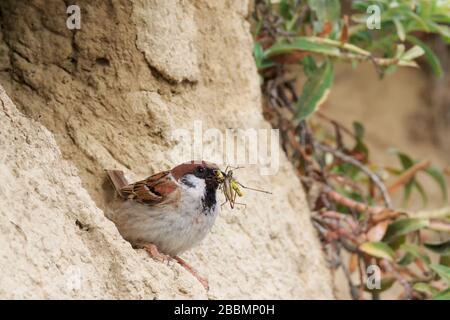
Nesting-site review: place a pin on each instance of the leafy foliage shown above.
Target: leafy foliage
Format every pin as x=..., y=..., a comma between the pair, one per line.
x=301, y=42
x=315, y=90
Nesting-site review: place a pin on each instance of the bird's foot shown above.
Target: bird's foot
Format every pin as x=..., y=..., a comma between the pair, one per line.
x=161, y=257
x=155, y=254
x=202, y=280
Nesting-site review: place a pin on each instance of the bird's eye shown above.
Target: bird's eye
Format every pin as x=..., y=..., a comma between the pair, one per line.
x=200, y=169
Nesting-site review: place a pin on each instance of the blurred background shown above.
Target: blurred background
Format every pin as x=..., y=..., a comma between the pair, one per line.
x=360, y=92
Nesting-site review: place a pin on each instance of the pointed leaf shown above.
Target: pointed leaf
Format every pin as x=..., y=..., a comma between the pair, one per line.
x=309, y=66
x=315, y=91
x=404, y=226
x=359, y=5
x=443, y=295
x=438, y=176
x=415, y=251
x=407, y=191
x=444, y=31
x=442, y=271
x=385, y=283
x=442, y=248
x=418, y=19
x=358, y=129
x=405, y=160
x=425, y=288
x=421, y=190
x=407, y=259
x=445, y=261
x=397, y=242
x=378, y=249
x=406, y=163
x=285, y=10
x=258, y=54
x=431, y=57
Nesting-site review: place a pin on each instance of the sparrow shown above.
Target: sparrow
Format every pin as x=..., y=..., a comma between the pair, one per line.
x=169, y=212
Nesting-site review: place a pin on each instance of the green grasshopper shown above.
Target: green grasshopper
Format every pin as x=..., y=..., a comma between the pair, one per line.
x=231, y=187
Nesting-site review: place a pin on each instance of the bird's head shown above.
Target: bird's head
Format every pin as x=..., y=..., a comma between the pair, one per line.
x=193, y=173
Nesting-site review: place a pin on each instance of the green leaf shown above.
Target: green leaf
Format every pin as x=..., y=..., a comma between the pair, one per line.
x=378, y=249
x=309, y=65
x=441, y=18
x=445, y=261
x=425, y=8
x=407, y=191
x=442, y=248
x=406, y=163
x=360, y=5
x=405, y=160
x=285, y=10
x=258, y=53
x=404, y=226
x=326, y=10
x=385, y=284
x=425, y=288
x=360, y=146
x=418, y=19
x=421, y=190
x=415, y=251
x=437, y=175
x=397, y=242
x=443, y=295
x=315, y=91
x=407, y=259
x=300, y=44
x=430, y=56
x=442, y=271
x=358, y=129
x=443, y=30
x=260, y=61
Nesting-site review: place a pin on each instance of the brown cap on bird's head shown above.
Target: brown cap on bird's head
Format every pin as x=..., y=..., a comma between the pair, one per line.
x=199, y=168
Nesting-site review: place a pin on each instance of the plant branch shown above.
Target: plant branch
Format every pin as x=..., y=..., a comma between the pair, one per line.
x=373, y=176
x=402, y=280
x=443, y=212
x=357, y=53
x=350, y=203
x=408, y=175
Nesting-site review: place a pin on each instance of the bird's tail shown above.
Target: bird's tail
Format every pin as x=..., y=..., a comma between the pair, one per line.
x=118, y=180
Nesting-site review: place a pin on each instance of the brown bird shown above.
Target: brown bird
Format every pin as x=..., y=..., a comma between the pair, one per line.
x=169, y=212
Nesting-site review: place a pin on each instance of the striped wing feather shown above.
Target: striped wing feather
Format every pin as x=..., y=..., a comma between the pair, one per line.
x=155, y=189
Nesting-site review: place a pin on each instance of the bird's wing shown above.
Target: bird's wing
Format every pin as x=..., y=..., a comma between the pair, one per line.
x=153, y=190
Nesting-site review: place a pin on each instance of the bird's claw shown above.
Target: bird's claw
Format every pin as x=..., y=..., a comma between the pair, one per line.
x=155, y=254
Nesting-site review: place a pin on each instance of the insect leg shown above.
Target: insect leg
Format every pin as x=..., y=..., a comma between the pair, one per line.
x=259, y=190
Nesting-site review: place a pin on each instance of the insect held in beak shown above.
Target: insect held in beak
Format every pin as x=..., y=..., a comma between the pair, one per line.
x=231, y=187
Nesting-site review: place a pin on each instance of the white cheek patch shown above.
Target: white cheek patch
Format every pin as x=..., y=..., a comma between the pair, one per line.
x=193, y=185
